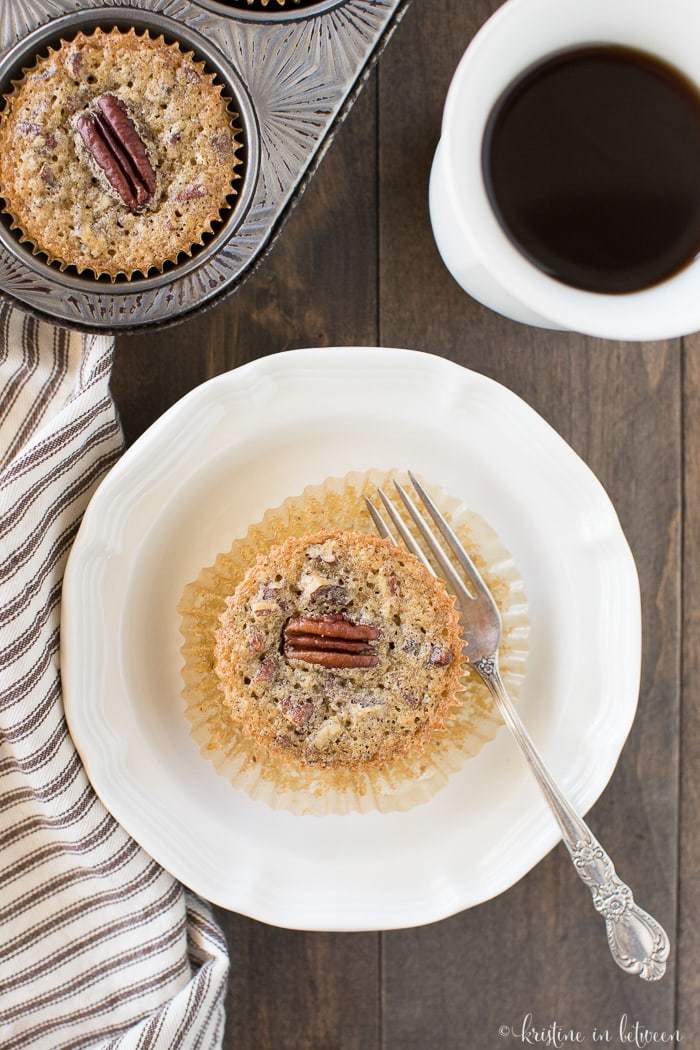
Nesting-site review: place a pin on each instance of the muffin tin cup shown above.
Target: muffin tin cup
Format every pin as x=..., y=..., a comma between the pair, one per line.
x=221, y=221
x=81, y=289
x=291, y=81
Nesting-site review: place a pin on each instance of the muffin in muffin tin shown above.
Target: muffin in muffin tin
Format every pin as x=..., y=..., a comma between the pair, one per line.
x=118, y=153
x=339, y=648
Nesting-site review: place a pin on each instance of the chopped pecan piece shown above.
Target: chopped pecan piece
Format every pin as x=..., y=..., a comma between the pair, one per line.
x=440, y=656
x=367, y=700
x=255, y=641
x=74, y=63
x=222, y=144
x=268, y=599
x=111, y=139
x=322, y=552
x=330, y=641
x=45, y=74
x=28, y=127
x=328, y=731
x=272, y=591
x=330, y=593
x=297, y=711
x=267, y=669
x=192, y=193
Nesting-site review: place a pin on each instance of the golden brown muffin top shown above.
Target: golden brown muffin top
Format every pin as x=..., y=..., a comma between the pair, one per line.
x=65, y=123
x=340, y=648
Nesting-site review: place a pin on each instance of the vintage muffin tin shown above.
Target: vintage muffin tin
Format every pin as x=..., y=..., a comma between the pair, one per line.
x=292, y=71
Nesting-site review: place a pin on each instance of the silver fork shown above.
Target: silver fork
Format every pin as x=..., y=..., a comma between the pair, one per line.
x=638, y=943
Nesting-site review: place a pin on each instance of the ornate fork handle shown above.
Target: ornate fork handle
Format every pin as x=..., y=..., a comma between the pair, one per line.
x=638, y=943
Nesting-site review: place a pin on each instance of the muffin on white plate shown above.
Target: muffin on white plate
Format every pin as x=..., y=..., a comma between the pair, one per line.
x=323, y=666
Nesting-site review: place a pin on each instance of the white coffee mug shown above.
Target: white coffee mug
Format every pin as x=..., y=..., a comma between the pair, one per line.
x=471, y=241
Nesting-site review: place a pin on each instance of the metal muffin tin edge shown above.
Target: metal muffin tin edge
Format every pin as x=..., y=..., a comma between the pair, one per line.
x=299, y=78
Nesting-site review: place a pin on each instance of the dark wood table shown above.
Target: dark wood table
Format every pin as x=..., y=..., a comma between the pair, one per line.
x=356, y=264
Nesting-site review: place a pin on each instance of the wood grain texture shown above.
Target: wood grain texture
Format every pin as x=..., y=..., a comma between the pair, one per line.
x=357, y=264
x=689, y=880
x=300, y=991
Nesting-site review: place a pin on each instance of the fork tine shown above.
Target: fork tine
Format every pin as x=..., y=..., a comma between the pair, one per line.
x=448, y=569
x=458, y=550
x=404, y=533
x=379, y=524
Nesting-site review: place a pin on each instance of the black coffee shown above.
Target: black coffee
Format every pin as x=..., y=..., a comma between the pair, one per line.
x=591, y=161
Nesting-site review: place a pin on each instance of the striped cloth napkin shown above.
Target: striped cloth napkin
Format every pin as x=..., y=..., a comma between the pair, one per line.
x=99, y=947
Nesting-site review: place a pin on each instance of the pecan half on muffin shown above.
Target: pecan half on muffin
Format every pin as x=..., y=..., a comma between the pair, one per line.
x=340, y=648
x=117, y=153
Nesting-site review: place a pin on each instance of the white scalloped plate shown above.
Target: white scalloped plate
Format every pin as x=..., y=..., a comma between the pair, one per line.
x=212, y=465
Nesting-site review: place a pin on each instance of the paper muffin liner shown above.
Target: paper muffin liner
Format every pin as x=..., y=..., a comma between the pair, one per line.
x=269, y=775
x=218, y=213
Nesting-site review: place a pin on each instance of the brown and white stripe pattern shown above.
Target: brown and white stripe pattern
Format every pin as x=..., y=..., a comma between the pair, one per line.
x=98, y=945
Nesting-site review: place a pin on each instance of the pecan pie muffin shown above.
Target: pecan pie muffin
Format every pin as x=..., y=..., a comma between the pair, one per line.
x=340, y=648
x=117, y=153
x=262, y=738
